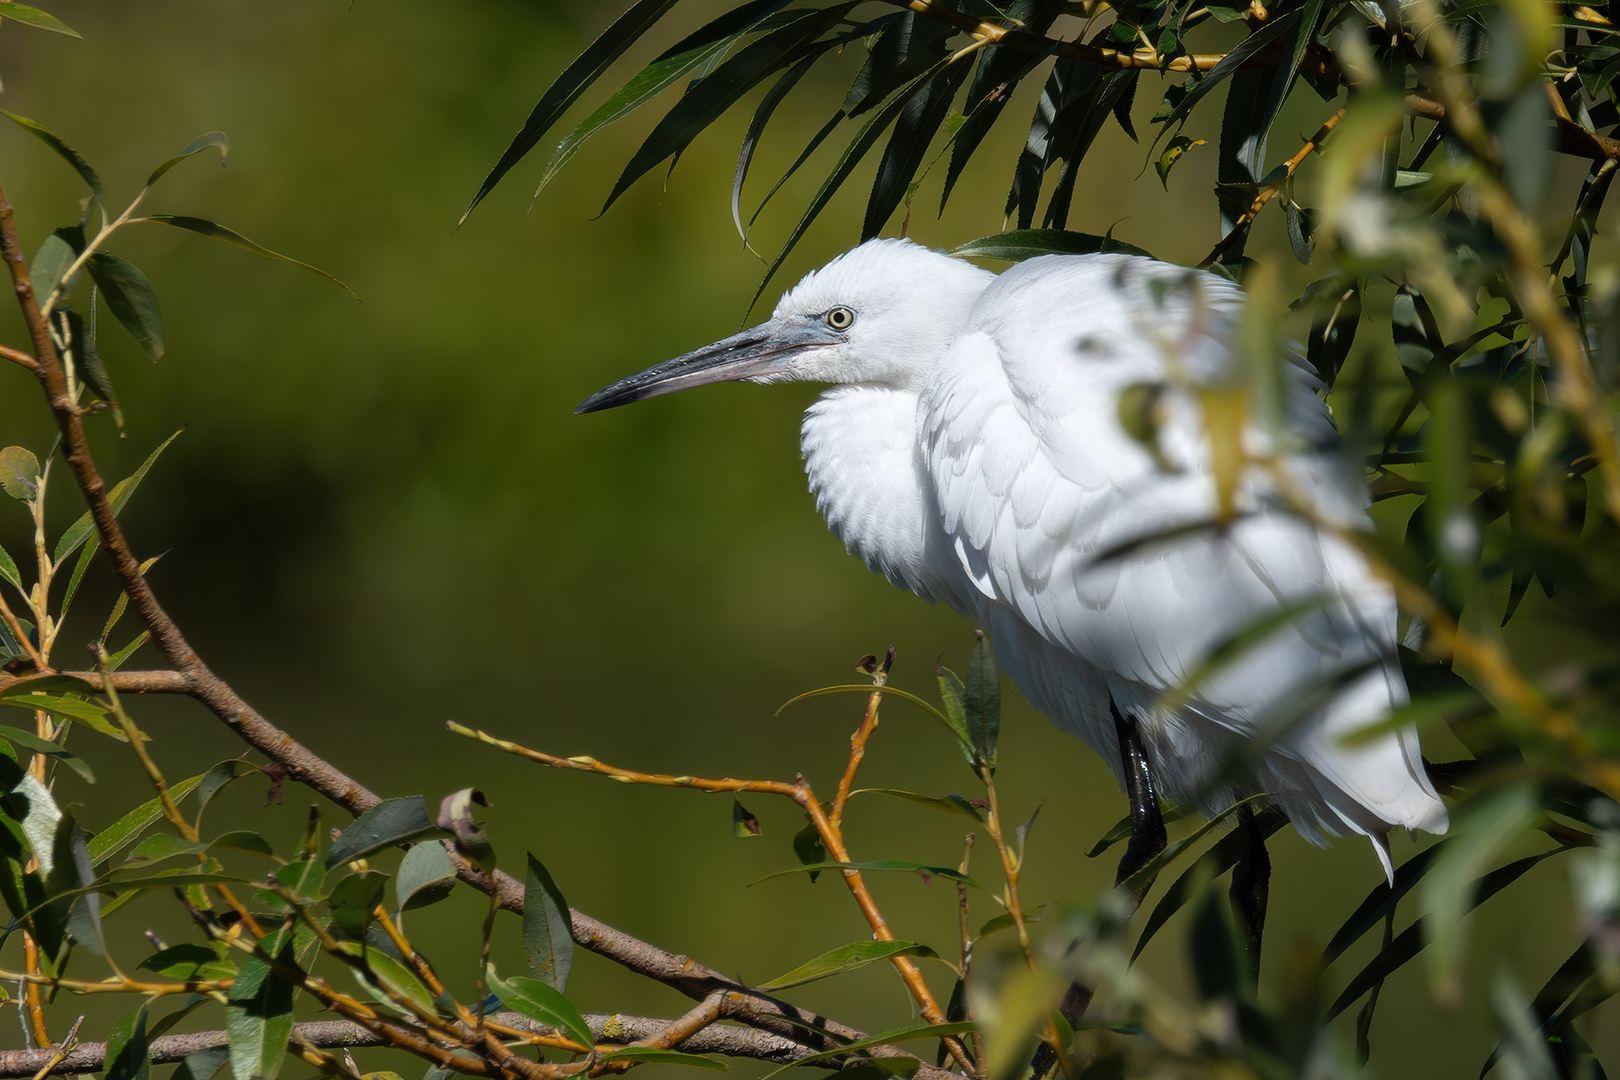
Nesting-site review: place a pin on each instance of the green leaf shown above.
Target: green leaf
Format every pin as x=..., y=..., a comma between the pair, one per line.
x=50, y=750
x=1021, y=244
x=56, y=253
x=39, y=20
x=1221, y=857
x=218, y=778
x=383, y=976
x=743, y=823
x=203, y=1065
x=898, y=1035
x=646, y=1055
x=707, y=98
x=1173, y=151
x=1482, y=828
x=215, y=231
x=914, y=131
x=762, y=115
x=303, y=879
x=8, y=570
x=983, y=701
x=882, y=865
x=19, y=473
x=87, y=713
x=390, y=822
x=456, y=818
x=426, y=876
x=951, y=804
x=543, y=1002
x=808, y=846
x=68, y=154
x=706, y=45
x=161, y=846
x=258, y=1011
x=548, y=927
x=130, y=298
x=242, y=840
x=573, y=82
x=195, y=146
x=189, y=963
x=84, y=528
x=123, y=832
x=128, y=1055
x=354, y=900
x=857, y=954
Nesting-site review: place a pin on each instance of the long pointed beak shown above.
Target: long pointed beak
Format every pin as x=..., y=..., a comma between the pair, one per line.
x=756, y=353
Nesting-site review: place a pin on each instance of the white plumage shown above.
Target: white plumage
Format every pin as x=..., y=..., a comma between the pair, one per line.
x=971, y=449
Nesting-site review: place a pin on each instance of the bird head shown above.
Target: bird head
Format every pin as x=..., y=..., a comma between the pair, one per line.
x=881, y=314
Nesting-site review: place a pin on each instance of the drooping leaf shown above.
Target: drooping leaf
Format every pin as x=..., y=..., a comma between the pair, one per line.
x=695, y=51
x=1021, y=244
x=353, y=901
x=258, y=1011
x=39, y=20
x=123, y=832
x=762, y=115
x=195, y=146
x=810, y=850
x=84, y=528
x=53, y=751
x=426, y=876
x=548, y=927
x=1221, y=857
x=56, y=253
x=884, y=865
x=982, y=701
x=66, y=152
x=919, y=121
x=707, y=98
x=215, y=231
x=1172, y=153
x=128, y=1053
x=386, y=978
x=456, y=818
x=130, y=298
x=855, y=955
x=390, y=822
x=574, y=81
x=541, y=1001
x=953, y=803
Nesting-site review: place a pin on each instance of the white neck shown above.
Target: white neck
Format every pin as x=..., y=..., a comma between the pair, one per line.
x=865, y=466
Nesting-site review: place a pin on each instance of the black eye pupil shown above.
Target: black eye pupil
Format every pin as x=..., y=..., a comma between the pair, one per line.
x=840, y=318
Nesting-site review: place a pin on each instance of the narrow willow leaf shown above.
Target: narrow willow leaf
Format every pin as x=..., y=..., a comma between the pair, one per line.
x=8, y=570
x=1231, y=62
x=258, y=1012
x=898, y=1035
x=195, y=146
x=39, y=20
x=426, y=875
x=189, y=963
x=390, y=822
x=84, y=712
x=128, y=1053
x=1481, y=829
x=1173, y=152
x=215, y=231
x=567, y=88
x=242, y=840
x=84, y=528
x=1302, y=34
x=1021, y=244
x=123, y=832
x=203, y=1065
x=855, y=955
x=1221, y=857
x=953, y=803
x=548, y=927
x=130, y=298
x=160, y=846
x=983, y=701
x=384, y=978
x=700, y=48
x=706, y=99
x=883, y=865
x=68, y=154
x=543, y=1002
x=864, y=140
x=756, y=127
x=954, y=697
x=922, y=118
x=54, y=752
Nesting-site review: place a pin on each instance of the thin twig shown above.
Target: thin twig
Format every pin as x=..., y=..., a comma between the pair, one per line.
x=17, y=356
x=1271, y=190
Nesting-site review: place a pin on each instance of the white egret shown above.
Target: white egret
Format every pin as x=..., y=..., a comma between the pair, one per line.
x=971, y=448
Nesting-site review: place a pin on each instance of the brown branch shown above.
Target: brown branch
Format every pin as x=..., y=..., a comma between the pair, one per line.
x=1316, y=61
x=336, y=1034
x=1573, y=139
x=1271, y=190
x=124, y=682
x=18, y=357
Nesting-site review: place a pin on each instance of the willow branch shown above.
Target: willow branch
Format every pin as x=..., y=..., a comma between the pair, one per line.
x=341, y=1034
x=18, y=357
x=1271, y=190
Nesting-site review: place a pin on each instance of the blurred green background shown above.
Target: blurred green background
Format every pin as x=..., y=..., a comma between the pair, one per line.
x=382, y=514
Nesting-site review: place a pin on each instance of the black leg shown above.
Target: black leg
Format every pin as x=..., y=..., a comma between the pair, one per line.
x=1147, y=840
x=1147, y=822
x=1251, y=886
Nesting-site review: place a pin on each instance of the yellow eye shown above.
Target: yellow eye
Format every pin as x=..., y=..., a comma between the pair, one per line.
x=840, y=318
